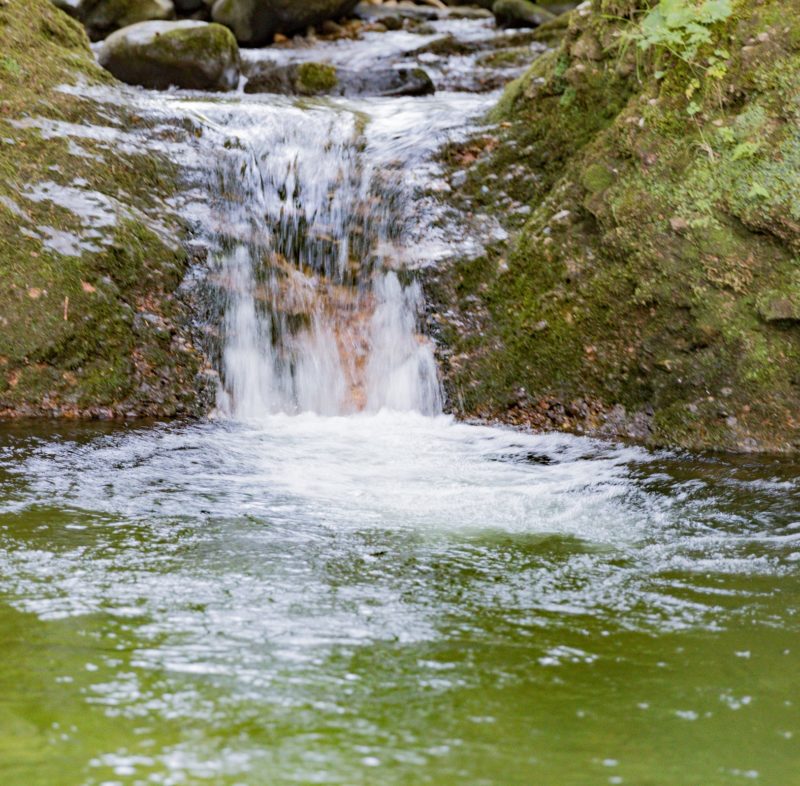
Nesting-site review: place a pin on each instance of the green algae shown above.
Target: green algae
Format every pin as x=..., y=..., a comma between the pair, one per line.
x=313, y=79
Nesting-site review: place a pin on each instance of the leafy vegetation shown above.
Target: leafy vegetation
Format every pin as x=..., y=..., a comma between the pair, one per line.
x=681, y=27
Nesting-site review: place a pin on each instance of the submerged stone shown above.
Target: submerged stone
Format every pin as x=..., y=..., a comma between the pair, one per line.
x=186, y=54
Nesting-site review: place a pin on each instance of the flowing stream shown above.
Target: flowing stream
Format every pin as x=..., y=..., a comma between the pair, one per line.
x=332, y=582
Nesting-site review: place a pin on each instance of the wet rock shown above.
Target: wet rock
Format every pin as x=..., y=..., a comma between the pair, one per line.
x=387, y=82
x=775, y=306
x=381, y=13
x=470, y=12
x=295, y=79
x=106, y=16
x=310, y=79
x=447, y=46
x=255, y=22
x=187, y=54
x=74, y=350
x=478, y=3
x=520, y=13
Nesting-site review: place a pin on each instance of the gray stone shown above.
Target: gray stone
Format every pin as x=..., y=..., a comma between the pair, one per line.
x=188, y=54
x=105, y=16
x=520, y=13
x=311, y=79
x=255, y=22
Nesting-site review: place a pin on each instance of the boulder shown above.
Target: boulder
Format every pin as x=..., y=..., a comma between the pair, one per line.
x=520, y=13
x=188, y=54
x=75, y=8
x=378, y=13
x=315, y=79
x=255, y=22
x=102, y=17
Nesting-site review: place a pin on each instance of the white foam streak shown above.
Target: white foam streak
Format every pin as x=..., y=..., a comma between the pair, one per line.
x=401, y=374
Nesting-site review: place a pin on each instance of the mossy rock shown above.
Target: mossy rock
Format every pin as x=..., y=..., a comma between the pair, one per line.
x=188, y=54
x=316, y=78
x=520, y=13
x=71, y=294
x=320, y=79
x=651, y=291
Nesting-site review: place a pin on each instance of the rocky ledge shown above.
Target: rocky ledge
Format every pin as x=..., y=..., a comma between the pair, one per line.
x=648, y=174
x=91, y=255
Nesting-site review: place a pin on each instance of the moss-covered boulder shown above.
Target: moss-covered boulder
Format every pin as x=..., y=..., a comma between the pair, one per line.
x=189, y=54
x=317, y=79
x=255, y=22
x=649, y=174
x=91, y=256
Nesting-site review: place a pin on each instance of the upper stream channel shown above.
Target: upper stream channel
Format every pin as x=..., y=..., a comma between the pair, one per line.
x=331, y=581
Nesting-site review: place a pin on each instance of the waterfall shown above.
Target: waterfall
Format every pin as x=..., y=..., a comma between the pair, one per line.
x=307, y=238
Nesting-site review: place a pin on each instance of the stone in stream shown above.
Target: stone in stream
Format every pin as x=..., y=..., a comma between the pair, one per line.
x=255, y=22
x=314, y=79
x=380, y=13
x=106, y=16
x=188, y=54
x=520, y=13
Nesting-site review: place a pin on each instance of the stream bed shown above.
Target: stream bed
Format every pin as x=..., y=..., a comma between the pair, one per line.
x=332, y=582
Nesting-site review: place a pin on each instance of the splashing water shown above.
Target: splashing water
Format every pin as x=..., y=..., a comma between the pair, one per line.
x=287, y=596
x=310, y=230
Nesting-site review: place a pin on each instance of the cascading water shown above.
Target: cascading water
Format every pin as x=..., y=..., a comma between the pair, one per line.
x=308, y=254
x=387, y=598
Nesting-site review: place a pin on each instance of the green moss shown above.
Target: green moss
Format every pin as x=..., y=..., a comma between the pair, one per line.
x=597, y=178
x=315, y=79
x=184, y=44
x=68, y=337
x=658, y=267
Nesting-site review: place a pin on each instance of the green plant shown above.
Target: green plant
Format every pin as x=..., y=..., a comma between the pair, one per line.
x=682, y=27
x=10, y=66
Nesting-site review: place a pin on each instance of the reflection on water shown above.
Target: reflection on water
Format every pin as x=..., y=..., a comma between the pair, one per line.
x=392, y=599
